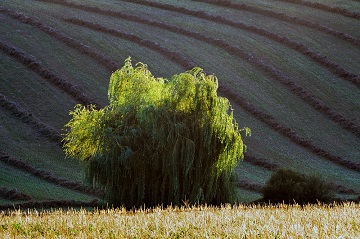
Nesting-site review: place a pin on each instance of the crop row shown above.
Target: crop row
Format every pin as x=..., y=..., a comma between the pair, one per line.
x=262, y=162
x=332, y=66
x=31, y=63
x=99, y=57
x=277, y=75
x=30, y=119
x=232, y=95
x=14, y=194
x=50, y=204
x=324, y=7
x=47, y=176
x=283, y=17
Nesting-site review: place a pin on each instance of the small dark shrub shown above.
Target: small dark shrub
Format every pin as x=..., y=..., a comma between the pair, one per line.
x=287, y=186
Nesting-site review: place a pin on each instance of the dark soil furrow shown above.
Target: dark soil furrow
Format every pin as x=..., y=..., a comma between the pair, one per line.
x=14, y=194
x=30, y=119
x=84, y=49
x=283, y=17
x=313, y=101
x=341, y=189
x=262, y=162
x=47, y=176
x=326, y=8
x=332, y=66
x=245, y=184
x=50, y=204
x=232, y=95
x=31, y=63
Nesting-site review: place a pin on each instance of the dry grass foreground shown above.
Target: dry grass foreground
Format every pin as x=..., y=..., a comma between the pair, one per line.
x=282, y=221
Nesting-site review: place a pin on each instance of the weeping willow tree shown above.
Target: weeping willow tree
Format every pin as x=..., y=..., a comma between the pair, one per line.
x=159, y=141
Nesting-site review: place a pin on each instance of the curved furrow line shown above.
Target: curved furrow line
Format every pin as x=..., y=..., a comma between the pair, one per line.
x=302, y=93
x=262, y=162
x=245, y=184
x=283, y=17
x=323, y=7
x=332, y=66
x=48, y=176
x=31, y=63
x=84, y=49
x=30, y=119
x=14, y=194
x=231, y=94
x=50, y=204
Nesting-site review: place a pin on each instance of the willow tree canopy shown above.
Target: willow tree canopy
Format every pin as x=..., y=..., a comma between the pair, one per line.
x=159, y=141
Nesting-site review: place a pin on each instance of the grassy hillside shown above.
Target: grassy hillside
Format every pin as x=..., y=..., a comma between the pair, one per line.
x=290, y=69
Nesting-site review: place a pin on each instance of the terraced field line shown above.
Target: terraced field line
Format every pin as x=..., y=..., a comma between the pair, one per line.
x=303, y=94
x=283, y=17
x=332, y=66
x=30, y=119
x=14, y=194
x=48, y=176
x=233, y=96
x=261, y=162
x=323, y=7
x=84, y=49
x=245, y=184
x=31, y=63
x=50, y=204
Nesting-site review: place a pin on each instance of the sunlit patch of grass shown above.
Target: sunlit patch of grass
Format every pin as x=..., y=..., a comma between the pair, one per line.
x=316, y=221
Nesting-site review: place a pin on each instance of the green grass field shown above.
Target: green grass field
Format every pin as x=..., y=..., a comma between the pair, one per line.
x=290, y=69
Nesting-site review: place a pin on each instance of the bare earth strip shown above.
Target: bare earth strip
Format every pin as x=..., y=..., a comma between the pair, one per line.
x=232, y=95
x=31, y=63
x=30, y=119
x=302, y=93
x=14, y=194
x=332, y=66
x=283, y=17
x=48, y=176
x=326, y=8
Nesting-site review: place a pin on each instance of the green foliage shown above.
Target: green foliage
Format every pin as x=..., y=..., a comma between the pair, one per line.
x=159, y=141
x=289, y=186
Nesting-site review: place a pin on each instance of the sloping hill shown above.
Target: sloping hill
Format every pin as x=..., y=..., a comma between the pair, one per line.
x=290, y=69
